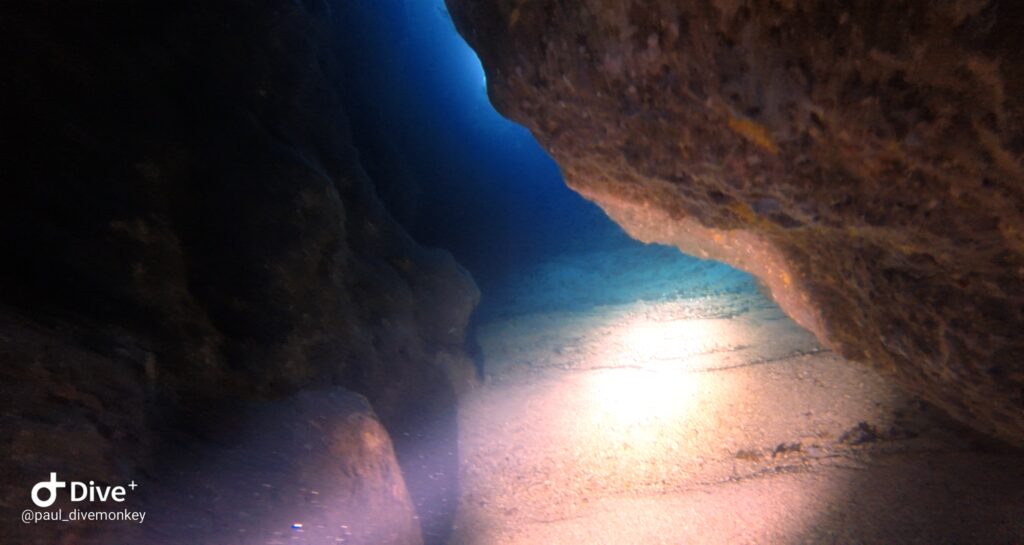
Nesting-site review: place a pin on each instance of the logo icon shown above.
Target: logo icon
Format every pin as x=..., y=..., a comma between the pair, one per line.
x=51, y=486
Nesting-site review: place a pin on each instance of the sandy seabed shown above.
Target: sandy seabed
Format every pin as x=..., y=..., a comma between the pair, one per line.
x=712, y=419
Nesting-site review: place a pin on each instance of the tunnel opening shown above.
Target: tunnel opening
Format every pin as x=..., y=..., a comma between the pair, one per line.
x=459, y=176
x=456, y=173
x=631, y=393
x=624, y=384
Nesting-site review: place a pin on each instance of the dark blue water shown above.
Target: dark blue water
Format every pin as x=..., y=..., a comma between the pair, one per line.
x=460, y=176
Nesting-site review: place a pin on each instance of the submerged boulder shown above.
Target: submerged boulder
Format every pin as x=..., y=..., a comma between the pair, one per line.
x=315, y=468
x=863, y=161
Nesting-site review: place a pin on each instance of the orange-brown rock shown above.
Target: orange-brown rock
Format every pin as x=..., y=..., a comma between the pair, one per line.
x=864, y=162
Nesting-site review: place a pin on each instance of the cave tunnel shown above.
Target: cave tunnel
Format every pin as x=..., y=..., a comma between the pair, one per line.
x=457, y=272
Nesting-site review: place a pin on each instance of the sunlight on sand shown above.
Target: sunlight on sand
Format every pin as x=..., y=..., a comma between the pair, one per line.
x=630, y=398
x=635, y=414
x=637, y=395
x=650, y=340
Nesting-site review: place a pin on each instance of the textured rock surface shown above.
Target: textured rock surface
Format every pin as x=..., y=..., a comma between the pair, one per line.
x=183, y=210
x=863, y=162
x=238, y=472
x=320, y=460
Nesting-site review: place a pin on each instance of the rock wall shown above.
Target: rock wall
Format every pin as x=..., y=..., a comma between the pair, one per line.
x=315, y=468
x=184, y=220
x=863, y=161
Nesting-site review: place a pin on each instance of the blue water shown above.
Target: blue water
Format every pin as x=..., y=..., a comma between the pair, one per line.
x=460, y=176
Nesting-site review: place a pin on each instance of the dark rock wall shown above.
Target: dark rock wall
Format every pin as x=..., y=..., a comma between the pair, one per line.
x=864, y=161
x=181, y=199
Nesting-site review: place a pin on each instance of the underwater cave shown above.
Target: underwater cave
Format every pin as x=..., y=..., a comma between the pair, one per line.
x=459, y=272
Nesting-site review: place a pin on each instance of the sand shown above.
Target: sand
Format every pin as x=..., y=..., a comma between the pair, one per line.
x=711, y=418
